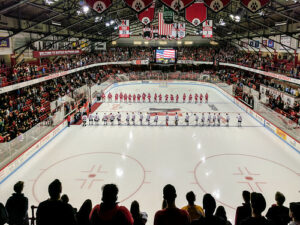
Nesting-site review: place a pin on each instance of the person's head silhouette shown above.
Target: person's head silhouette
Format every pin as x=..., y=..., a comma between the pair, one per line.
x=110, y=194
x=191, y=197
x=209, y=204
x=55, y=189
x=169, y=194
x=258, y=203
x=246, y=196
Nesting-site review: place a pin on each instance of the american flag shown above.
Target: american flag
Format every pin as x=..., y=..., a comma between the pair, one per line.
x=165, y=54
x=163, y=29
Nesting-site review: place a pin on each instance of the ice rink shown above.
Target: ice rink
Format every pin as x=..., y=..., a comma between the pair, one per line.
x=221, y=160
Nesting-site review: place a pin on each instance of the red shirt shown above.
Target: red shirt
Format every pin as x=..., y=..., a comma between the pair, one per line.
x=171, y=216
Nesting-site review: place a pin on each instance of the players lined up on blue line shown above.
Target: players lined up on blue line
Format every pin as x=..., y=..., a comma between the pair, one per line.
x=158, y=98
x=211, y=119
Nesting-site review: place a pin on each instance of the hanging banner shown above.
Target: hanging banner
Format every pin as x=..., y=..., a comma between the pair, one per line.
x=147, y=15
x=41, y=54
x=271, y=43
x=286, y=41
x=124, y=29
x=196, y=13
x=4, y=42
x=180, y=30
x=138, y=5
x=168, y=15
x=216, y=5
x=207, y=29
x=177, y=5
x=174, y=31
x=99, y=6
x=254, y=5
x=147, y=32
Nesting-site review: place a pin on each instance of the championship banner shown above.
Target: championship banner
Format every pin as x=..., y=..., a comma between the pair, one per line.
x=124, y=29
x=40, y=54
x=196, y=13
x=174, y=31
x=216, y=5
x=138, y=5
x=147, y=32
x=147, y=15
x=207, y=29
x=181, y=30
x=177, y=5
x=255, y=5
x=4, y=42
x=99, y=6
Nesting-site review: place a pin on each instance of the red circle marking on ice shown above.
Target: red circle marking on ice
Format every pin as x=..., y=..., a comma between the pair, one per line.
x=233, y=154
x=91, y=153
x=249, y=178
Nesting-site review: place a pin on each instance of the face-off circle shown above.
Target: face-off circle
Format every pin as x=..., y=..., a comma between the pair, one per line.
x=87, y=173
x=225, y=176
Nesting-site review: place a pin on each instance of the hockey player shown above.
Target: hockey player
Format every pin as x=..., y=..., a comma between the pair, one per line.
x=176, y=119
x=214, y=119
x=129, y=98
x=177, y=98
x=96, y=119
x=139, y=97
x=148, y=118
x=119, y=118
x=133, y=118
x=196, y=118
x=160, y=98
x=125, y=97
x=128, y=119
x=134, y=97
x=239, y=118
x=196, y=98
x=184, y=97
x=190, y=98
x=109, y=97
x=121, y=97
x=103, y=97
x=187, y=119
x=91, y=119
x=84, y=119
x=112, y=118
x=172, y=98
x=206, y=98
x=149, y=97
x=208, y=119
x=144, y=97
x=167, y=119
x=203, y=119
x=166, y=97
x=105, y=118
x=116, y=97
x=155, y=97
x=156, y=119
x=227, y=119
x=201, y=97
x=141, y=118
x=219, y=119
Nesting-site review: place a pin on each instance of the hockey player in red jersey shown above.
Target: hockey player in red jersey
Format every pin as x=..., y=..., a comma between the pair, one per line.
x=155, y=97
x=125, y=97
x=201, y=98
x=177, y=98
x=166, y=97
x=184, y=97
x=196, y=98
x=116, y=97
x=134, y=97
x=144, y=97
x=121, y=97
x=206, y=98
x=190, y=98
x=129, y=97
x=149, y=97
x=103, y=97
x=160, y=98
x=172, y=98
x=110, y=97
x=139, y=98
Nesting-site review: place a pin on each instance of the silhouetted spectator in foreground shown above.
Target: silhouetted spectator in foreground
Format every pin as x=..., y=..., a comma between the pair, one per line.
x=171, y=214
x=140, y=218
x=195, y=211
x=220, y=212
x=84, y=213
x=17, y=206
x=108, y=212
x=54, y=211
x=258, y=205
x=244, y=211
x=209, y=205
x=3, y=214
x=278, y=214
x=295, y=213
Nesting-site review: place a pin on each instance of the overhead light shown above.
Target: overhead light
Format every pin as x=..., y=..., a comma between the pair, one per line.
x=237, y=18
x=98, y=19
x=280, y=24
x=56, y=23
x=107, y=24
x=112, y=22
x=188, y=42
x=85, y=9
x=162, y=42
x=179, y=42
x=213, y=42
x=222, y=23
x=116, y=27
x=146, y=42
x=137, y=42
x=113, y=42
x=78, y=12
x=231, y=16
x=49, y=2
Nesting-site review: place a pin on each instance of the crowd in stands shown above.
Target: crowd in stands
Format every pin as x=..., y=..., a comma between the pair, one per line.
x=28, y=71
x=57, y=210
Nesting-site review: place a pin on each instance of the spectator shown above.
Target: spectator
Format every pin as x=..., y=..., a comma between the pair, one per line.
x=258, y=205
x=54, y=211
x=3, y=214
x=295, y=213
x=140, y=218
x=278, y=214
x=209, y=205
x=244, y=211
x=108, y=212
x=17, y=206
x=220, y=212
x=171, y=214
x=195, y=211
x=84, y=212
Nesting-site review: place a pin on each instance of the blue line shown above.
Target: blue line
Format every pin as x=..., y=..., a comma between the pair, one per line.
x=15, y=170
x=196, y=84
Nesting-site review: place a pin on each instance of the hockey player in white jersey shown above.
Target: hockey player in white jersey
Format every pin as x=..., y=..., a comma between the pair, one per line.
x=84, y=119
x=141, y=118
x=105, y=118
x=196, y=119
x=148, y=118
x=167, y=119
x=96, y=119
x=128, y=119
x=112, y=118
x=156, y=119
x=119, y=118
x=203, y=119
x=176, y=119
x=187, y=119
x=239, y=118
x=133, y=118
x=91, y=119
x=208, y=119
x=214, y=119
x=219, y=119
x=227, y=119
